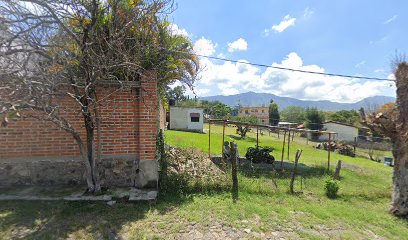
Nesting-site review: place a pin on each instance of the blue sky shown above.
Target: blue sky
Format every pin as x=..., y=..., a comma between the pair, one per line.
x=346, y=37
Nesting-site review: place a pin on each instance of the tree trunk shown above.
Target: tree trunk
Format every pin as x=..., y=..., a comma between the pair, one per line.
x=89, y=121
x=234, y=169
x=84, y=156
x=399, y=205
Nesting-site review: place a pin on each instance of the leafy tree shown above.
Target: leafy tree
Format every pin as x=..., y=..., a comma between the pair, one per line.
x=217, y=109
x=345, y=116
x=314, y=120
x=243, y=128
x=274, y=116
x=293, y=114
x=235, y=110
x=176, y=93
x=69, y=47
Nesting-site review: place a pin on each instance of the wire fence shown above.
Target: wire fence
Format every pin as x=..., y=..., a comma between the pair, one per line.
x=373, y=148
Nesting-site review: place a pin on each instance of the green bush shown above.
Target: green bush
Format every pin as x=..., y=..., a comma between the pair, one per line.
x=331, y=187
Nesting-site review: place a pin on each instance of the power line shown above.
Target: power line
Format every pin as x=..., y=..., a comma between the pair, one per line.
x=285, y=68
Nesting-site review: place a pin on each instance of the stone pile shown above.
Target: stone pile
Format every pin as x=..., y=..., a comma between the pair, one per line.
x=341, y=148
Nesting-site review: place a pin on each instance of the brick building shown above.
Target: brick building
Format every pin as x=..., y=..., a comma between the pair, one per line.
x=35, y=151
x=261, y=113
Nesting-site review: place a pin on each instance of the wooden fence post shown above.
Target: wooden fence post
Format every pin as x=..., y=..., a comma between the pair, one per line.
x=288, y=144
x=283, y=149
x=307, y=138
x=328, y=153
x=233, y=149
x=355, y=145
x=209, y=139
x=337, y=172
x=257, y=137
x=292, y=180
x=223, y=139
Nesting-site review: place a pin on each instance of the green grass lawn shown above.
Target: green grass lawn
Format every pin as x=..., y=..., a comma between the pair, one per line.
x=365, y=188
x=360, y=211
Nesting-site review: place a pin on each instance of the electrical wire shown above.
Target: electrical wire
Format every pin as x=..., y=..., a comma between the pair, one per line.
x=285, y=68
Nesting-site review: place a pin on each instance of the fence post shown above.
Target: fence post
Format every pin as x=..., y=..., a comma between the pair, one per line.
x=307, y=138
x=283, y=149
x=292, y=180
x=257, y=137
x=355, y=145
x=337, y=172
x=288, y=144
x=328, y=153
x=209, y=139
x=223, y=139
x=233, y=149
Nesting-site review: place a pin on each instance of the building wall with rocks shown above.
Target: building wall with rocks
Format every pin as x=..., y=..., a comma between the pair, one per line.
x=36, y=151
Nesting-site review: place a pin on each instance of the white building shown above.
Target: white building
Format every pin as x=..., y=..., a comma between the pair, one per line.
x=345, y=132
x=187, y=119
x=287, y=124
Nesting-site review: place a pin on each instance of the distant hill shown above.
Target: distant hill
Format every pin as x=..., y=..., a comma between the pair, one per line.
x=251, y=99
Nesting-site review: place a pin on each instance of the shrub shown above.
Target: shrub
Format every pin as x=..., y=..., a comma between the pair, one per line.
x=331, y=187
x=260, y=155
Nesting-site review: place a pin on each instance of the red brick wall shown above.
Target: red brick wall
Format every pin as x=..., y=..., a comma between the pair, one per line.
x=129, y=126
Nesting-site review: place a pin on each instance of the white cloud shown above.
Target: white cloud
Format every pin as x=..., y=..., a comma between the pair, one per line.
x=231, y=78
x=204, y=46
x=202, y=91
x=391, y=76
x=229, y=91
x=393, y=18
x=307, y=13
x=379, y=41
x=238, y=45
x=286, y=22
x=360, y=64
x=178, y=31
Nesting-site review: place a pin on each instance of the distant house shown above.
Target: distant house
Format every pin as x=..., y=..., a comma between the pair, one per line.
x=187, y=119
x=345, y=132
x=261, y=113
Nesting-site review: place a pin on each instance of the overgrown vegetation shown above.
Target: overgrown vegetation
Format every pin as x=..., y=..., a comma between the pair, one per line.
x=331, y=188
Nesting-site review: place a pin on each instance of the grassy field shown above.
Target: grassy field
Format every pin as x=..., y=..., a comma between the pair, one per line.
x=263, y=209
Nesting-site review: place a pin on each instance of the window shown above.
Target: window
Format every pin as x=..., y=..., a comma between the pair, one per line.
x=246, y=111
x=263, y=120
x=195, y=117
x=263, y=111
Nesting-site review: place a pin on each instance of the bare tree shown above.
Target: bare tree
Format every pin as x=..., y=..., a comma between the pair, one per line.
x=392, y=120
x=52, y=49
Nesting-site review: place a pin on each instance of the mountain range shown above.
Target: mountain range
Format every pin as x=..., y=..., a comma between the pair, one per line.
x=252, y=99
